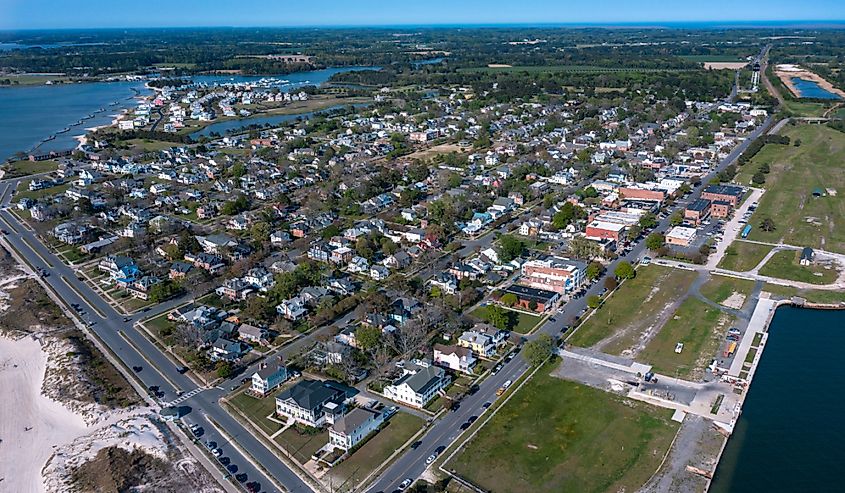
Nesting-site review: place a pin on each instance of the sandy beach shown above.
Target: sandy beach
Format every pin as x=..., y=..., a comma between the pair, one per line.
x=33, y=425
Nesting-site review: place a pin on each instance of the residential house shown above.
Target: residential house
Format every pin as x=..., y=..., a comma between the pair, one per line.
x=420, y=383
x=313, y=403
x=252, y=334
x=353, y=428
x=269, y=376
x=456, y=358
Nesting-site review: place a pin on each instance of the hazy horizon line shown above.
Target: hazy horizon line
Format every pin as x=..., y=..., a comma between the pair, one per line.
x=675, y=24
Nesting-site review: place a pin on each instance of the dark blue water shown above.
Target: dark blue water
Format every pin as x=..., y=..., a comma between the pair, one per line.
x=28, y=114
x=790, y=435
x=234, y=126
x=811, y=89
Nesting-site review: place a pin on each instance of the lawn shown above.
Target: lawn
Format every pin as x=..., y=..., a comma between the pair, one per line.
x=799, y=218
x=696, y=324
x=519, y=322
x=784, y=265
x=375, y=451
x=147, y=145
x=563, y=68
x=302, y=445
x=257, y=410
x=24, y=192
x=743, y=256
x=805, y=108
x=25, y=167
x=635, y=306
x=559, y=436
x=720, y=288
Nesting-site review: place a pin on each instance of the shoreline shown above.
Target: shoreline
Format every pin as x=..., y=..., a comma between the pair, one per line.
x=756, y=361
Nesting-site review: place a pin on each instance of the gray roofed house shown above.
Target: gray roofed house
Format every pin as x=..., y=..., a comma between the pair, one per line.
x=420, y=384
x=312, y=402
x=351, y=429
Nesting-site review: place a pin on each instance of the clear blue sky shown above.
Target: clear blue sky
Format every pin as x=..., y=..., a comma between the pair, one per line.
x=34, y=14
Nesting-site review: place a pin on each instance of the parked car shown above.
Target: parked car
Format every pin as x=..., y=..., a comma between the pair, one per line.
x=404, y=484
x=431, y=458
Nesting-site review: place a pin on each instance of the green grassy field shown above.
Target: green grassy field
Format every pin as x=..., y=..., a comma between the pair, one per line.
x=32, y=80
x=801, y=219
x=564, y=68
x=518, y=321
x=805, y=108
x=720, y=288
x=25, y=167
x=257, y=410
x=559, y=436
x=633, y=307
x=23, y=191
x=696, y=324
x=784, y=265
x=147, y=145
x=742, y=256
x=400, y=428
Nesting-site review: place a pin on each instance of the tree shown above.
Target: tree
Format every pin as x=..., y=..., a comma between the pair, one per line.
x=648, y=221
x=163, y=291
x=497, y=317
x=224, y=369
x=624, y=270
x=510, y=247
x=368, y=337
x=767, y=224
x=610, y=283
x=538, y=350
x=758, y=178
x=509, y=299
x=260, y=232
x=594, y=270
x=676, y=218
x=567, y=214
x=654, y=241
x=634, y=232
x=593, y=301
x=581, y=247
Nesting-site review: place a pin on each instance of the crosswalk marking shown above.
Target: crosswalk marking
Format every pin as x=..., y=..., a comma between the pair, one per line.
x=185, y=396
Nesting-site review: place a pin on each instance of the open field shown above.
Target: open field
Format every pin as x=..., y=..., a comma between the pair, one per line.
x=399, y=429
x=562, y=68
x=712, y=58
x=553, y=434
x=796, y=172
x=811, y=295
x=742, y=256
x=31, y=79
x=25, y=167
x=436, y=150
x=699, y=327
x=724, y=65
x=720, y=288
x=517, y=321
x=635, y=306
x=147, y=145
x=784, y=265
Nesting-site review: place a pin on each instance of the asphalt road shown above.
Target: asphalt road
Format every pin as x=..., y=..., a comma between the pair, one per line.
x=200, y=407
x=412, y=463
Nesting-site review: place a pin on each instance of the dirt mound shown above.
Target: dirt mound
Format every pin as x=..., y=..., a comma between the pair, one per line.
x=116, y=470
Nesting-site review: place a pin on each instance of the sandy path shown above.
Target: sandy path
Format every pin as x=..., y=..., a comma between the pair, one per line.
x=23, y=454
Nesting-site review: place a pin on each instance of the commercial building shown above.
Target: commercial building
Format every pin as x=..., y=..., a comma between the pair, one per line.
x=698, y=211
x=723, y=193
x=553, y=274
x=680, y=236
x=604, y=230
x=537, y=300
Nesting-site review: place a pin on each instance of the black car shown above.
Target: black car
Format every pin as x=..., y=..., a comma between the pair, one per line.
x=487, y=404
x=416, y=444
x=472, y=419
x=241, y=477
x=182, y=369
x=439, y=450
x=136, y=369
x=465, y=425
x=473, y=389
x=253, y=487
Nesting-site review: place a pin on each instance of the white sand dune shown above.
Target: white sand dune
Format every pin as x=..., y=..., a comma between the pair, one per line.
x=32, y=425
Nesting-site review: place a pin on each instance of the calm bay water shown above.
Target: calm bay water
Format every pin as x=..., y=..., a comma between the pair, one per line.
x=28, y=114
x=811, y=89
x=790, y=435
